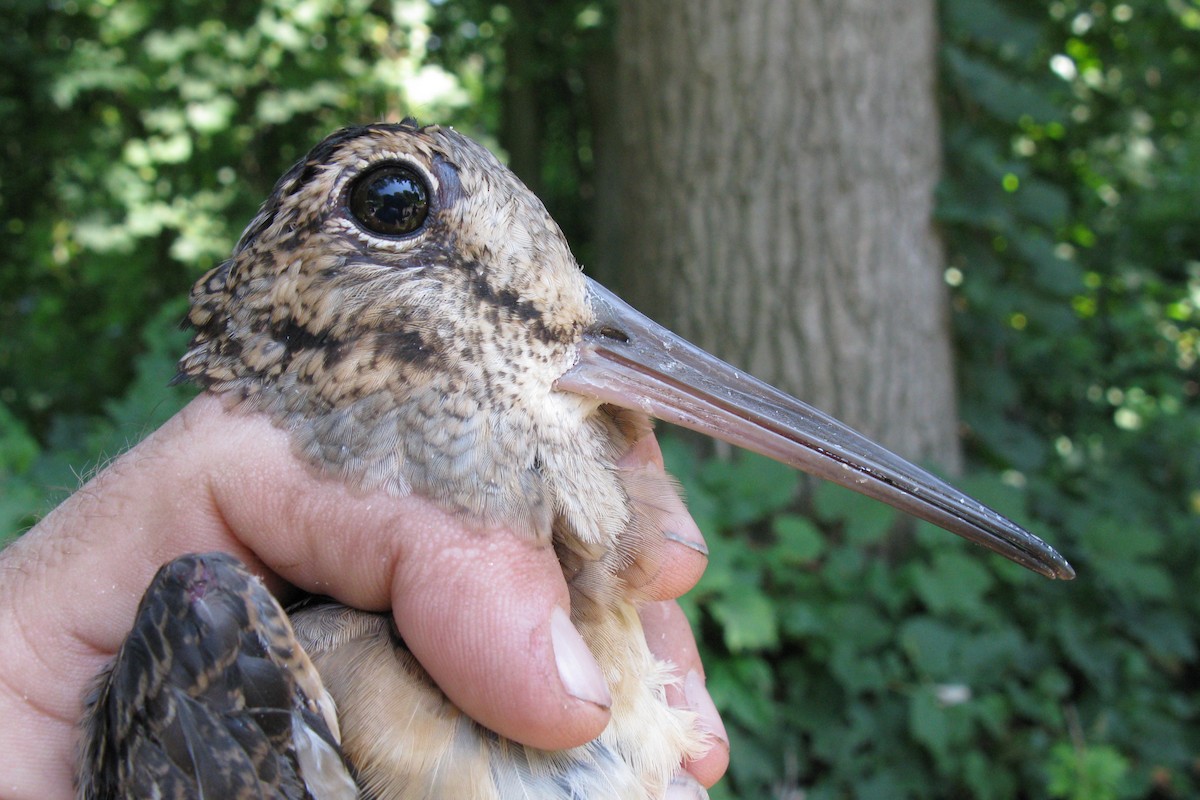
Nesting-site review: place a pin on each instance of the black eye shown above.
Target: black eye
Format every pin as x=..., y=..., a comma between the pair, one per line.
x=390, y=200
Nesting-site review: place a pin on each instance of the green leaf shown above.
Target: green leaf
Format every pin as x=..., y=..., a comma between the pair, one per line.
x=797, y=540
x=19, y=506
x=1093, y=772
x=856, y=671
x=1114, y=541
x=17, y=448
x=931, y=646
x=1007, y=97
x=927, y=722
x=1056, y=275
x=800, y=619
x=750, y=486
x=866, y=521
x=1167, y=634
x=859, y=624
x=747, y=620
x=1043, y=202
x=993, y=22
x=742, y=686
x=953, y=582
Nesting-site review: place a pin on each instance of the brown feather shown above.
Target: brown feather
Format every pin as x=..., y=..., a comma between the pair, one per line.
x=211, y=696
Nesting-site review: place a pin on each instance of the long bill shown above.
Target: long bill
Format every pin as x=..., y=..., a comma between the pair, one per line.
x=629, y=360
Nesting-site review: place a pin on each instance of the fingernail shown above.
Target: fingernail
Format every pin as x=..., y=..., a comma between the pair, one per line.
x=577, y=669
x=699, y=546
x=701, y=702
x=685, y=787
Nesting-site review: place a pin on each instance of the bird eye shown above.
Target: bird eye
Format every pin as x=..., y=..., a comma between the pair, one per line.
x=390, y=200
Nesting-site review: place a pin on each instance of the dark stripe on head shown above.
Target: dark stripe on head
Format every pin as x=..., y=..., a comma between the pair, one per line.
x=296, y=339
x=407, y=347
x=506, y=300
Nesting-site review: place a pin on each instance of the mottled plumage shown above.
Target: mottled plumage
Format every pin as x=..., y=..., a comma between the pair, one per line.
x=211, y=696
x=408, y=311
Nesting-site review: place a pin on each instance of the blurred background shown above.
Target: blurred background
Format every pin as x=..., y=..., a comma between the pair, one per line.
x=969, y=229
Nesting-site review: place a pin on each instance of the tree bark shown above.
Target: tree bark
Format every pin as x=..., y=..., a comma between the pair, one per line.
x=779, y=164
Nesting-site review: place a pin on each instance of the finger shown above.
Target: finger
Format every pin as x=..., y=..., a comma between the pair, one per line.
x=486, y=613
x=670, y=639
x=677, y=566
x=71, y=585
x=476, y=606
x=214, y=480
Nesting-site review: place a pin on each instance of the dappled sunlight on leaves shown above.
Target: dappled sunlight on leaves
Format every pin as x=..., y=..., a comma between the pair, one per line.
x=155, y=132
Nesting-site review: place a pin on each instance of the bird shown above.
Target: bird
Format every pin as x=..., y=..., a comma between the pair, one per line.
x=408, y=311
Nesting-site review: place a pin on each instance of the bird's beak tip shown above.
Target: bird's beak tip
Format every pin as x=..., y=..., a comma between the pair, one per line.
x=628, y=360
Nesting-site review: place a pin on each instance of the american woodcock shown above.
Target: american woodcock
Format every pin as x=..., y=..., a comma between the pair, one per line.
x=408, y=311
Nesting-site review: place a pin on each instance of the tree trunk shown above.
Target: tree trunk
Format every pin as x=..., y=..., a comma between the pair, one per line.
x=521, y=130
x=779, y=163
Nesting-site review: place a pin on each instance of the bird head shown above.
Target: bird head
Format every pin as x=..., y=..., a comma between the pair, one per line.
x=388, y=254
x=409, y=311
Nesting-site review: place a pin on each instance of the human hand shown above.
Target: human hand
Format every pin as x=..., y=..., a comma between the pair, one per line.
x=475, y=606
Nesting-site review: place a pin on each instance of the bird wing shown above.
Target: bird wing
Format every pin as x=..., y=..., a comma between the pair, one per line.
x=211, y=696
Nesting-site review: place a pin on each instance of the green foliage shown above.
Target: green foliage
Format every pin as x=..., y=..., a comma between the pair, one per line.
x=1074, y=225
x=1094, y=773
x=18, y=452
x=140, y=136
x=910, y=665
x=36, y=478
x=846, y=669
